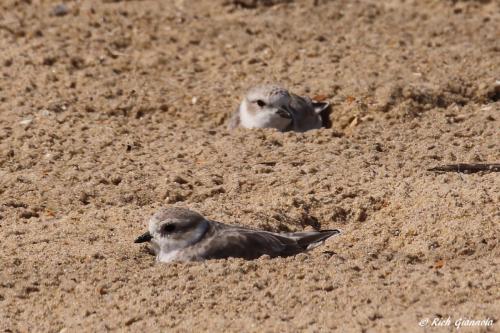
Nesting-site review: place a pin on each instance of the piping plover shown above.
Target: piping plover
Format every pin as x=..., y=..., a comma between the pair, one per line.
x=271, y=106
x=179, y=234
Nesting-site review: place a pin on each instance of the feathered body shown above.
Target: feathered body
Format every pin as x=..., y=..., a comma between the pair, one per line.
x=178, y=234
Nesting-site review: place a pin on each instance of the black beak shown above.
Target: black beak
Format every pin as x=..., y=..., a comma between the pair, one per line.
x=282, y=112
x=145, y=237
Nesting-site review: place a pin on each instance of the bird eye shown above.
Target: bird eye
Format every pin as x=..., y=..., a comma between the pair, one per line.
x=168, y=228
x=261, y=103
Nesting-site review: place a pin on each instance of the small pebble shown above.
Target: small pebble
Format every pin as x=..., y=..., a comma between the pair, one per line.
x=60, y=10
x=301, y=257
x=26, y=122
x=45, y=113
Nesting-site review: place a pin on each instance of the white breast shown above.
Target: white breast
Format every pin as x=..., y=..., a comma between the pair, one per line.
x=168, y=256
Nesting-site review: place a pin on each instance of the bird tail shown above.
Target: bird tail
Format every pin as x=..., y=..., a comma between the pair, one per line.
x=309, y=240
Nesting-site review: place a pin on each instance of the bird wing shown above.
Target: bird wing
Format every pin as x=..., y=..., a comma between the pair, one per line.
x=301, y=104
x=305, y=110
x=311, y=239
x=231, y=241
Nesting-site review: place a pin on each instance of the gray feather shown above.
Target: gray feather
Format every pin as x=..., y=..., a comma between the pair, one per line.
x=223, y=241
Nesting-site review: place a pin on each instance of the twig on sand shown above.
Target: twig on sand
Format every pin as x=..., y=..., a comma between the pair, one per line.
x=467, y=168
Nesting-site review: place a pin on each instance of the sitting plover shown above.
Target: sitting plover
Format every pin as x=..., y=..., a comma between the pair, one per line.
x=271, y=106
x=179, y=234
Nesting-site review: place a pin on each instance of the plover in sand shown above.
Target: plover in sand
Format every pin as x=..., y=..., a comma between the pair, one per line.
x=179, y=234
x=271, y=106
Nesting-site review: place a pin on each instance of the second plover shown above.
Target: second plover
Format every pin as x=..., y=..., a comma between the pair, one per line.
x=179, y=234
x=272, y=106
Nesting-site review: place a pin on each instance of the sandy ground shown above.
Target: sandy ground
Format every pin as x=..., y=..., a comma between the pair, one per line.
x=109, y=110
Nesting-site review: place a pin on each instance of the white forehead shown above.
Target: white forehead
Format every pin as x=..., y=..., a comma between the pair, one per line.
x=268, y=93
